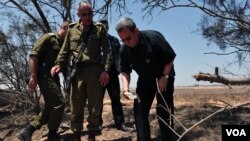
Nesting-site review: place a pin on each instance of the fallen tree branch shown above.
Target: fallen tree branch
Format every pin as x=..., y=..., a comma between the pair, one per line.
x=240, y=105
x=201, y=121
x=6, y=109
x=187, y=130
x=7, y=100
x=220, y=79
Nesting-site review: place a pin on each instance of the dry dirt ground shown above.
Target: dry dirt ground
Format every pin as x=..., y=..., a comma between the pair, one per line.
x=192, y=104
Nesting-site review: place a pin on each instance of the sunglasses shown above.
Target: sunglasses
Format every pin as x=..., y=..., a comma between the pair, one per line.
x=86, y=14
x=126, y=39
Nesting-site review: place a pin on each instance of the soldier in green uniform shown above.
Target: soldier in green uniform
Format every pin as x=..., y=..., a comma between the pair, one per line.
x=92, y=69
x=42, y=59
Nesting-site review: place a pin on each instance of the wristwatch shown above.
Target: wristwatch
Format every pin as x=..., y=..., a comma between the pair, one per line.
x=166, y=76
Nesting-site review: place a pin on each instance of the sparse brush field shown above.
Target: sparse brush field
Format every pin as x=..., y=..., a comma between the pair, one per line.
x=192, y=104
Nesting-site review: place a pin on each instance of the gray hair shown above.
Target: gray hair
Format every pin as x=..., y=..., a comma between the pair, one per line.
x=125, y=23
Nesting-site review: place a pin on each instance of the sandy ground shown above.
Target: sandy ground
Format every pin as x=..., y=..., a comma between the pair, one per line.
x=192, y=104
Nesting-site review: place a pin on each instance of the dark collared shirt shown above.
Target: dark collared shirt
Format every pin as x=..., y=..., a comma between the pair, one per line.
x=149, y=57
x=115, y=48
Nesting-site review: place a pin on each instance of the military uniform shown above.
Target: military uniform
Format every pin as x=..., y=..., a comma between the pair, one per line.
x=46, y=50
x=85, y=84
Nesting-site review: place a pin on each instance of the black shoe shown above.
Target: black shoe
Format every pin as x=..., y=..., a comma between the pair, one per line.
x=53, y=136
x=77, y=136
x=123, y=128
x=26, y=133
x=92, y=134
x=98, y=130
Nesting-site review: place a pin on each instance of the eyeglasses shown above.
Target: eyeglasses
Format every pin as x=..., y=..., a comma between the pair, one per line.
x=86, y=14
x=126, y=39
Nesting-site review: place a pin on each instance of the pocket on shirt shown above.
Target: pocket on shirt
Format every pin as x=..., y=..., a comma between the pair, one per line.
x=74, y=43
x=94, y=45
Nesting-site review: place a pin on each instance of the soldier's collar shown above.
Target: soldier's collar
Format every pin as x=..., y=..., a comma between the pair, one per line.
x=80, y=27
x=57, y=35
x=79, y=23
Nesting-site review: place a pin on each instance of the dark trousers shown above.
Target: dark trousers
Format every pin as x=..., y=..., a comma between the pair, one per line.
x=141, y=110
x=113, y=89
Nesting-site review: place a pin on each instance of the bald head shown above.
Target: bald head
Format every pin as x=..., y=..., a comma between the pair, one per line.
x=84, y=6
x=85, y=13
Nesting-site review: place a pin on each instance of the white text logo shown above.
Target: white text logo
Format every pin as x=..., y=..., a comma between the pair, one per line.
x=236, y=132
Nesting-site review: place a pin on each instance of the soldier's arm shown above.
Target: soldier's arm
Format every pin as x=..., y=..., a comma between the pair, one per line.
x=33, y=63
x=104, y=78
x=37, y=52
x=61, y=60
x=41, y=47
x=62, y=56
x=106, y=50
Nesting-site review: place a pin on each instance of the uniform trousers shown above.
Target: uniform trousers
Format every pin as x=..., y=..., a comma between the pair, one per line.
x=54, y=102
x=146, y=93
x=86, y=86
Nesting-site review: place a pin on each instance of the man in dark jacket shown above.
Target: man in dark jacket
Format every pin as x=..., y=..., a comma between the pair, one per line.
x=113, y=86
x=151, y=56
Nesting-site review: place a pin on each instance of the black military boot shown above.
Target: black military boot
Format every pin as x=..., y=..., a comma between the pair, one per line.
x=77, y=136
x=92, y=134
x=26, y=133
x=53, y=136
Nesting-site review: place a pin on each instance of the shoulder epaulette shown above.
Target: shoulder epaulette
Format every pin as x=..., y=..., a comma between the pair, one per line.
x=72, y=24
x=51, y=34
x=98, y=23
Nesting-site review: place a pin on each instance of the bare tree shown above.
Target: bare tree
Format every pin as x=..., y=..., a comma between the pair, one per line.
x=24, y=22
x=42, y=13
x=225, y=22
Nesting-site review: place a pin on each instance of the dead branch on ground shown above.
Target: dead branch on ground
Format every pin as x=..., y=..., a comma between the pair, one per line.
x=6, y=109
x=227, y=106
x=220, y=79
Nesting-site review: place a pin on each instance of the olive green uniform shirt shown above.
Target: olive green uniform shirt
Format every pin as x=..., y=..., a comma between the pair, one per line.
x=97, y=50
x=47, y=49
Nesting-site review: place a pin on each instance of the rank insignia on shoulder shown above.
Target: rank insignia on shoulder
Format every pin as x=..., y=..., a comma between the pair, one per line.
x=51, y=34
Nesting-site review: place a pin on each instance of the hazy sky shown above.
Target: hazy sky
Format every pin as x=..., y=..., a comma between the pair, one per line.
x=179, y=26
